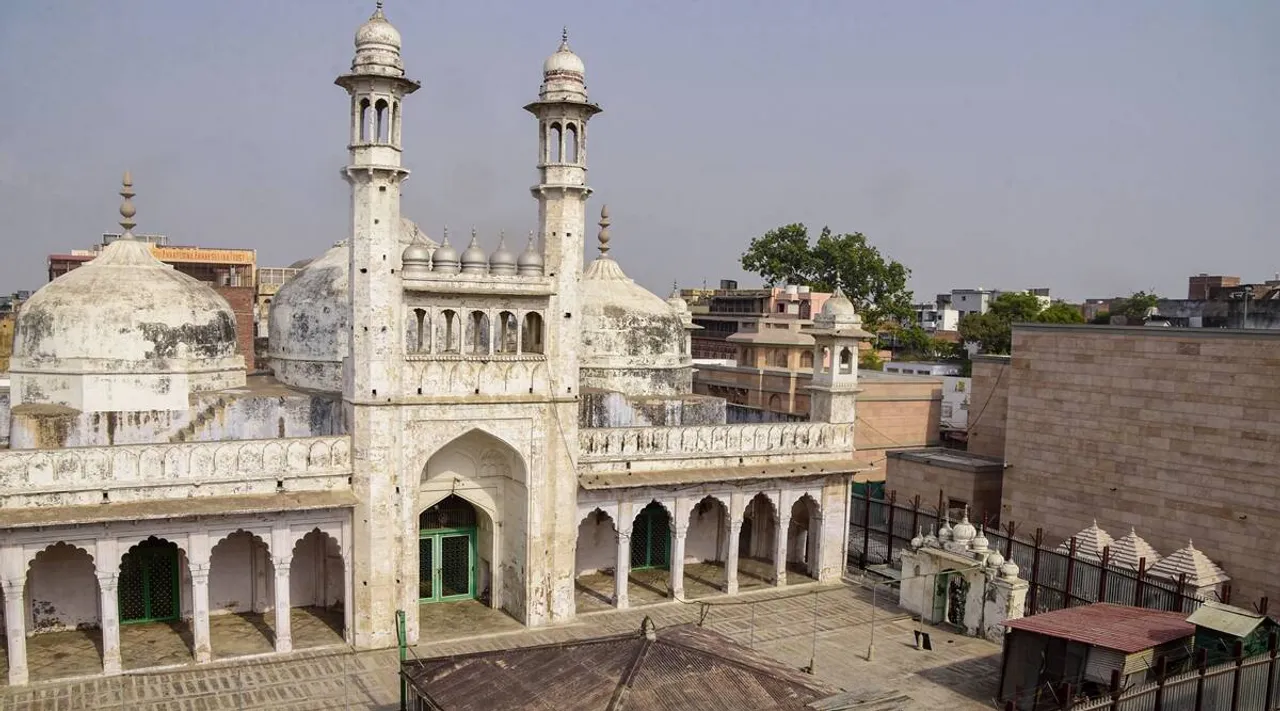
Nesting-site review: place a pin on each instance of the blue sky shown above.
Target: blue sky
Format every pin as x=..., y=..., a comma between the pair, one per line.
x=1095, y=148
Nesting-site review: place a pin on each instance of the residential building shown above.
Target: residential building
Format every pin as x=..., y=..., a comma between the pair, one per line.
x=727, y=312
x=1173, y=431
x=1199, y=286
x=9, y=306
x=1243, y=306
x=978, y=301
x=937, y=316
x=505, y=425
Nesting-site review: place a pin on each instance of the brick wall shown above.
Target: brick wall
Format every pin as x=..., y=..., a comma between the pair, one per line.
x=243, y=304
x=1175, y=432
x=971, y=480
x=988, y=405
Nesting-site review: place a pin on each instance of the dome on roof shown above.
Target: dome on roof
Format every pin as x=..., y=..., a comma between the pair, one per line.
x=838, y=306
x=564, y=61
x=530, y=262
x=964, y=531
x=1089, y=543
x=309, y=319
x=502, y=262
x=633, y=342
x=378, y=47
x=474, y=260
x=124, y=313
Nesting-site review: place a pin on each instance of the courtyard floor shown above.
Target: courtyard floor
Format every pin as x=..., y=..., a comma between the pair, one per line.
x=652, y=586
x=959, y=673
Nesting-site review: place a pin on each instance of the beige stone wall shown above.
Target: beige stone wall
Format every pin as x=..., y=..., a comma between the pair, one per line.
x=979, y=490
x=988, y=405
x=894, y=412
x=1173, y=431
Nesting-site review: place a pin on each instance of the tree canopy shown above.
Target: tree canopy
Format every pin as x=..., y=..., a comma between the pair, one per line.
x=876, y=285
x=1135, y=307
x=993, y=330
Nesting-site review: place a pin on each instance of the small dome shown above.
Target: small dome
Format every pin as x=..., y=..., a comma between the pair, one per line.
x=838, y=306
x=378, y=46
x=474, y=260
x=980, y=544
x=445, y=259
x=564, y=61
x=676, y=301
x=415, y=261
x=995, y=560
x=1009, y=570
x=964, y=532
x=502, y=262
x=918, y=540
x=944, y=532
x=530, y=262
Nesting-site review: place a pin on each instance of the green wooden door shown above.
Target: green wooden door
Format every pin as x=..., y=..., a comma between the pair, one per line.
x=148, y=583
x=651, y=538
x=446, y=564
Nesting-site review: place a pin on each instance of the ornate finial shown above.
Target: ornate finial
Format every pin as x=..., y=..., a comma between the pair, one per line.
x=502, y=239
x=564, y=38
x=604, y=231
x=445, y=240
x=377, y=11
x=473, y=235
x=127, y=210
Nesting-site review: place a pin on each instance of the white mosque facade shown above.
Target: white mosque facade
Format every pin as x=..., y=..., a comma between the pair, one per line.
x=443, y=423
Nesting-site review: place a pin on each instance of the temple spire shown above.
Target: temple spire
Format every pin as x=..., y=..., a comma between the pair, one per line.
x=127, y=210
x=604, y=231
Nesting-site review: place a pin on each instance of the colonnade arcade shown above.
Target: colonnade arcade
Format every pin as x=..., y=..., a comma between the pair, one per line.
x=739, y=537
x=160, y=582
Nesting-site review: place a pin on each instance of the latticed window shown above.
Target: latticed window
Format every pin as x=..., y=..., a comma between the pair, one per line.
x=453, y=512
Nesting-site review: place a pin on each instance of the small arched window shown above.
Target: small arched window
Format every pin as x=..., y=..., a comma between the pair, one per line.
x=531, y=333
x=450, y=336
x=395, y=123
x=555, y=144
x=846, y=361
x=383, y=127
x=478, y=337
x=508, y=332
x=570, y=143
x=775, y=402
x=826, y=359
x=421, y=331
x=366, y=120
x=806, y=360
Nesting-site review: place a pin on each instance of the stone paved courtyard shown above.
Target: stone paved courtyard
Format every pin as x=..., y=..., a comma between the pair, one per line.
x=960, y=673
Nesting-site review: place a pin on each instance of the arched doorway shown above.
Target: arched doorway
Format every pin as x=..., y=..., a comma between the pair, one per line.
x=149, y=587
x=651, y=538
x=447, y=538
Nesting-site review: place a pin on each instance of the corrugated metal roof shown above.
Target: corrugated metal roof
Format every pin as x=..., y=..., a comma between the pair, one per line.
x=1127, y=629
x=1226, y=618
x=684, y=667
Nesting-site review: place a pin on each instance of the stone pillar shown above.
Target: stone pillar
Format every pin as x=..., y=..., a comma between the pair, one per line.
x=200, y=613
x=622, y=570
x=109, y=604
x=1008, y=602
x=780, y=551
x=816, y=534
x=284, y=632
x=677, y=562
x=731, y=560
x=15, y=628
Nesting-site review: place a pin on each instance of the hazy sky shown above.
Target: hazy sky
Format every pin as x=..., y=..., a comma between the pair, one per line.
x=1095, y=148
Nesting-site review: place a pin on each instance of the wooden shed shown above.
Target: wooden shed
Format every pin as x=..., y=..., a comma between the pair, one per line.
x=1082, y=645
x=1219, y=627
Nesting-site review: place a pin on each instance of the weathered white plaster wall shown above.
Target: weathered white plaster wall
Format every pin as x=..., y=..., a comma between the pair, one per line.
x=706, y=529
x=316, y=577
x=62, y=590
x=240, y=575
x=597, y=546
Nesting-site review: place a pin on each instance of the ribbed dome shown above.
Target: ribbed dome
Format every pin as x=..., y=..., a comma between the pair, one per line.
x=445, y=259
x=474, y=260
x=632, y=340
x=502, y=262
x=308, y=326
x=530, y=262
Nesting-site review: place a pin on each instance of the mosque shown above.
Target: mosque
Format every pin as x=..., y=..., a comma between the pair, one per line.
x=441, y=424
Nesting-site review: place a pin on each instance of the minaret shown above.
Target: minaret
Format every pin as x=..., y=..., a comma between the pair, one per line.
x=371, y=376
x=836, y=332
x=563, y=111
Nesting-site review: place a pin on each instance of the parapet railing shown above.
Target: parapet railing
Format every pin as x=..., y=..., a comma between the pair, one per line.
x=715, y=441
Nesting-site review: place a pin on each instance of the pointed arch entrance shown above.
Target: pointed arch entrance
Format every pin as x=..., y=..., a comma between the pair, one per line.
x=651, y=538
x=447, y=551
x=150, y=587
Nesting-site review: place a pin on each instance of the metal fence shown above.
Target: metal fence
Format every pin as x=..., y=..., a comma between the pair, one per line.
x=880, y=529
x=1245, y=684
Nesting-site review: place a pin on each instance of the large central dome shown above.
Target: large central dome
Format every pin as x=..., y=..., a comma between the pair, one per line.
x=309, y=322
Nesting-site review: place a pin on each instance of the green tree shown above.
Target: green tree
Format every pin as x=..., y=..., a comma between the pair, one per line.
x=1135, y=307
x=1060, y=313
x=877, y=286
x=993, y=331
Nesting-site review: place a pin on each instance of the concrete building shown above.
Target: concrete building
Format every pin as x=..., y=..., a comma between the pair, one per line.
x=978, y=301
x=443, y=424
x=727, y=312
x=1199, y=286
x=938, y=316
x=1172, y=431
